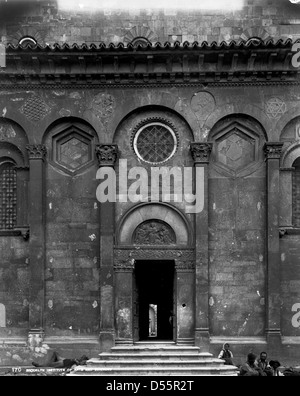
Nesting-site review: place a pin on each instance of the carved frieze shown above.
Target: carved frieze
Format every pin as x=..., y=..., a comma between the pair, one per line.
x=124, y=259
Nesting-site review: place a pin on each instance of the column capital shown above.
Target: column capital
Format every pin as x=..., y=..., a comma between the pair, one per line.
x=107, y=154
x=201, y=152
x=36, y=151
x=273, y=150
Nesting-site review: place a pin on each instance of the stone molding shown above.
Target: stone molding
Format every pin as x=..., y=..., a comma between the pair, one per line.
x=125, y=258
x=157, y=64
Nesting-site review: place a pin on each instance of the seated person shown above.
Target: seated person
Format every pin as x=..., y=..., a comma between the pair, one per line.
x=250, y=368
x=275, y=368
x=226, y=355
x=264, y=365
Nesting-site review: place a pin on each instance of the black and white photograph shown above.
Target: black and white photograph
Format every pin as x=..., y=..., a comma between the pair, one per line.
x=149, y=191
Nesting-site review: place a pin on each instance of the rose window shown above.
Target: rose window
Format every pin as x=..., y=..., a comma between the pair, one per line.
x=155, y=143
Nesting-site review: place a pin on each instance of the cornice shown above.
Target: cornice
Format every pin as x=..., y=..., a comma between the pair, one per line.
x=120, y=66
x=233, y=44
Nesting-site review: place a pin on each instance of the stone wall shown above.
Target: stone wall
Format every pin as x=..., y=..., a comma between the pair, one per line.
x=237, y=181
x=237, y=201
x=49, y=23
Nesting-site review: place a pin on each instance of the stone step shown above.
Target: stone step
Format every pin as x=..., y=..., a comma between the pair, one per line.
x=96, y=363
x=159, y=371
x=155, y=349
x=157, y=359
x=157, y=355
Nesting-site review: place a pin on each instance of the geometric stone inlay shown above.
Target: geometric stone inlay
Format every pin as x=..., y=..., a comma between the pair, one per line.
x=275, y=108
x=236, y=150
x=35, y=109
x=74, y=153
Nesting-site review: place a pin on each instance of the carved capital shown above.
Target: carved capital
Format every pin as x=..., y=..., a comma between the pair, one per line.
x=107, y=154
x=201, y=152
x=273, y=150
x=36, y=151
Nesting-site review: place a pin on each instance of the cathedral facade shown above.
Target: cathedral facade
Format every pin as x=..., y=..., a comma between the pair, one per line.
x=82, y=273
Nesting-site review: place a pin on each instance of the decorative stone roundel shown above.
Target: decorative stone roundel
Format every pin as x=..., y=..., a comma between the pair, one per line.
x=35, y=109
x=155, y=143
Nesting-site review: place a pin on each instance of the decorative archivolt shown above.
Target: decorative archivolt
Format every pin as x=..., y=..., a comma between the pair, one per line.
x=290, y=155
x=169, y=218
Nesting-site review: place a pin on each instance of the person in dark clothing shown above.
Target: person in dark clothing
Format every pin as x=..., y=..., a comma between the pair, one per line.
x=264, y=365
x=226, y=355
x=57, y=361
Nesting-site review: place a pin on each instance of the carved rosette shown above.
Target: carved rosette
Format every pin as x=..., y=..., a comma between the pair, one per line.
x=201, y=152
x=107, y=154
x=273, y=150
x=36, y=151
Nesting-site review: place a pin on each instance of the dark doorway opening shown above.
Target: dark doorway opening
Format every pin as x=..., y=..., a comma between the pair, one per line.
x=154, y=300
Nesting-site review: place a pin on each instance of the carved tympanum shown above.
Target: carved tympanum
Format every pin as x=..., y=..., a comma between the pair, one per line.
x=154, y=232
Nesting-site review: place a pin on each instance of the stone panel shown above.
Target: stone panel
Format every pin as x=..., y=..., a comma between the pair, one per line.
x=72, y=254
x=237, y=257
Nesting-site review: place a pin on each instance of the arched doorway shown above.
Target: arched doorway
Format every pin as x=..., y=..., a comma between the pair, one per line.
x=154, y=267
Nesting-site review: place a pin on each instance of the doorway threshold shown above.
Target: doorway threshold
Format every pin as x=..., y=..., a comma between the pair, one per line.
x=150, y=342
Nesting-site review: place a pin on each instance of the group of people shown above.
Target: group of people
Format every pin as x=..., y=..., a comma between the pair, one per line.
x=254, y=367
